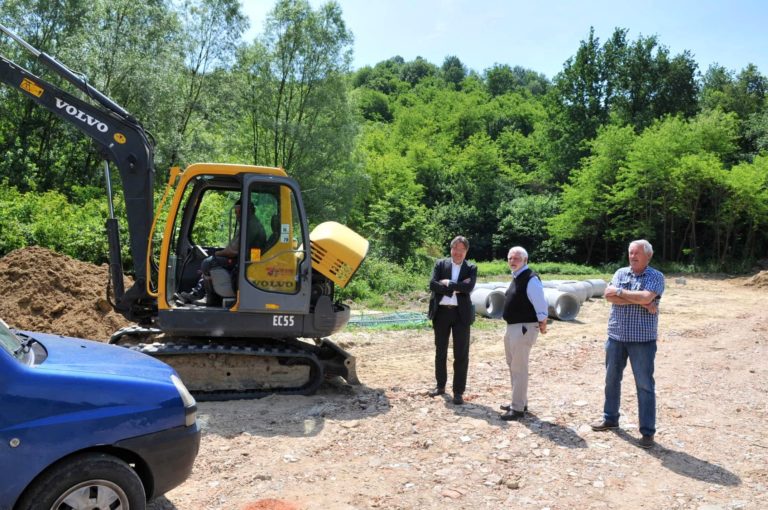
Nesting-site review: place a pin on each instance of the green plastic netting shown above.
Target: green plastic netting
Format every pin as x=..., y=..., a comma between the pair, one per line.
x=379, y=319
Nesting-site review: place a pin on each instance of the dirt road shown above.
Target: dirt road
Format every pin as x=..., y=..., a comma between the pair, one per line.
x=387, y=445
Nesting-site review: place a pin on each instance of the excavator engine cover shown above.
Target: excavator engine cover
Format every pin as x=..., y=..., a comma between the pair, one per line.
x=337, y=251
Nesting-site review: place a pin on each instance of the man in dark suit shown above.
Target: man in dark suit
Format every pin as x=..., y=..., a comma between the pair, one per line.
x=450, y=310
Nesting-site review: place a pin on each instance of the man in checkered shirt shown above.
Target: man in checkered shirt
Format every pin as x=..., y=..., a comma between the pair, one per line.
x=634, y=295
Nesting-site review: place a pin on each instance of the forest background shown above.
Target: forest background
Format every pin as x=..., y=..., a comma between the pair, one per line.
x=627, y=141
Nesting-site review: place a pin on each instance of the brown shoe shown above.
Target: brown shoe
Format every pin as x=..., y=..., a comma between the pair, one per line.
x=437, y=391
x=646, y=442
x=458, y=399
x=602, y=425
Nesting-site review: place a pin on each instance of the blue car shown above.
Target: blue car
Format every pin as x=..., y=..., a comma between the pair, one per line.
x=86, y=425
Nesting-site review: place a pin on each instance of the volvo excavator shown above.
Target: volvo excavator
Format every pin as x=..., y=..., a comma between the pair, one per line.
x=265, y=331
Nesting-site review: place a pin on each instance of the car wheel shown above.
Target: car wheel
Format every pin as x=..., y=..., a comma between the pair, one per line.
x=91, y=481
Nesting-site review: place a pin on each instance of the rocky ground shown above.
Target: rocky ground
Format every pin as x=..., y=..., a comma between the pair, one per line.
x=386, y=445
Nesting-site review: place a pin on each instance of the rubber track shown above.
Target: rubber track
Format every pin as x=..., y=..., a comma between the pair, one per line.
x=197, y=347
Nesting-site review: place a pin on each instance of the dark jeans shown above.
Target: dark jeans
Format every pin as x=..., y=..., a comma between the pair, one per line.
x=206, y=265
x=215, y=261
x=446, y=322
x=641, y=355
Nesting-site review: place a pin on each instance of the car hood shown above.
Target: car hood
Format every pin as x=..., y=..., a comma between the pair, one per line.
x=68, y=354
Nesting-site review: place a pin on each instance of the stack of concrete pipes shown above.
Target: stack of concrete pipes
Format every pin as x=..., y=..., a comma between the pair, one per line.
x=564, y=297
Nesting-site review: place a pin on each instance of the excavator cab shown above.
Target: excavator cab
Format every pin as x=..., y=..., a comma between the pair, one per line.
x=271, y=275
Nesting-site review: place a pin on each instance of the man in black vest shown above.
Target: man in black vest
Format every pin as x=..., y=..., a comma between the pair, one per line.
x=525, y=311
x=450, y=310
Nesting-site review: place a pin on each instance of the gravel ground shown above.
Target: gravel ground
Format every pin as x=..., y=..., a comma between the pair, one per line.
x=385, y=444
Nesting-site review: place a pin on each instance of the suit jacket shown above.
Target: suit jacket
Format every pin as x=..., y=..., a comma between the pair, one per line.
x=442, y=271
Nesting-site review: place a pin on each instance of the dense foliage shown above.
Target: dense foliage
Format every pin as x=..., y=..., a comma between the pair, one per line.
x=627, y=141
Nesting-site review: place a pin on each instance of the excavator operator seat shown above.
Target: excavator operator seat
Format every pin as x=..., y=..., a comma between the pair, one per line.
x=221, y=280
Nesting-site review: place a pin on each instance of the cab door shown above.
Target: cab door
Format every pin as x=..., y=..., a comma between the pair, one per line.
x=275, y=268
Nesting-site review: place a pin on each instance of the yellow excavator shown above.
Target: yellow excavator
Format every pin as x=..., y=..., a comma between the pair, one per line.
x=269, y=282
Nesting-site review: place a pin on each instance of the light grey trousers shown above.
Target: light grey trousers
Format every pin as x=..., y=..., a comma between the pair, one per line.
x=518, y=340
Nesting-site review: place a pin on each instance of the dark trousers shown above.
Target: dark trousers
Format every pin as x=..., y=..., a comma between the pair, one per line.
x=446, y=322
x=212, y=261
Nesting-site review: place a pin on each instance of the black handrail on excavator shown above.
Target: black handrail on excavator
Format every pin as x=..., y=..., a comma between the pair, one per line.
x=120, y=139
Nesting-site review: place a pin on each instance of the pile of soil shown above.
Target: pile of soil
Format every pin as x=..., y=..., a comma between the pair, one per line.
x=52, y=293
x=759, y=280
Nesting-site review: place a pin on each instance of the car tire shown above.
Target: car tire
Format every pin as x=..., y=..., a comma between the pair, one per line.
x=77, y=482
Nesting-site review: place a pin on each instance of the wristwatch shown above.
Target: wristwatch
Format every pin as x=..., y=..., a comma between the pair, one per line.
x=619, y=291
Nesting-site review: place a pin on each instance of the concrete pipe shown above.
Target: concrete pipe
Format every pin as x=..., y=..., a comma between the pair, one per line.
x=562, y=305
x=598, y=287
x=578, y=291
x=491, y=285
x=586, y=288
x=488, y=302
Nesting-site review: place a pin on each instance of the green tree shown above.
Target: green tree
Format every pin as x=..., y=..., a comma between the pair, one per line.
x=501, y=79
x=523, y=222
x=453, y=71
x=296, y=105
x=697, y=181
x=745, y=96
x=585, y=205
x=417, y=70
x=626, y=83
x=373, y=105
x=213, y=29
x=745, y=213
x=384, y=77
x=35, y=140
x=646, y=196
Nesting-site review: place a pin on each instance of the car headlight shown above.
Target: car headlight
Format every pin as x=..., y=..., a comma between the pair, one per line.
x=190, y=405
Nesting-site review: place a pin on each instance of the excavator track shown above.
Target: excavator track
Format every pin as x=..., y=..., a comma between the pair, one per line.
x=242, y=368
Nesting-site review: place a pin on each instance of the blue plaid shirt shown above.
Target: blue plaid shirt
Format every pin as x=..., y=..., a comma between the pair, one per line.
x=633, y=323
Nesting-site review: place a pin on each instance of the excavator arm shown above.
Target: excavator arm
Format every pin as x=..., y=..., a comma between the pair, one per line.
x=121, y=140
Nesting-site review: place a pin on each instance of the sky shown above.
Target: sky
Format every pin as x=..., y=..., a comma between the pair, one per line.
x=542, y=34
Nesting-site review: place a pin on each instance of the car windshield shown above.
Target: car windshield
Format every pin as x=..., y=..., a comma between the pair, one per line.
x=9, y=341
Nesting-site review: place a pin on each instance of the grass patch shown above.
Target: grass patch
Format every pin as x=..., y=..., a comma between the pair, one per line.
x=498, y=267
x=499, y=270
x=391, y=327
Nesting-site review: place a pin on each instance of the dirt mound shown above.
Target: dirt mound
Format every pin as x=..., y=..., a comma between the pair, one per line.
x=759, y=280
x=48, y=292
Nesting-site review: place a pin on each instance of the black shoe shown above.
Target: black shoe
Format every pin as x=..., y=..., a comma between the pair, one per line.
x=437, y=391
x=513, y=415
x=646, y=442
x=458, y=399
x=602, y=425
x=507, y=407
x=189, y=297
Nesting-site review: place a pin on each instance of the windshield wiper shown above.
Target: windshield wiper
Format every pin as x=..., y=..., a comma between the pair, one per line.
x=26, y=344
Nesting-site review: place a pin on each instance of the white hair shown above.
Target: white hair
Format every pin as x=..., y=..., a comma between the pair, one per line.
x=519, y=250
x=647, y=248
